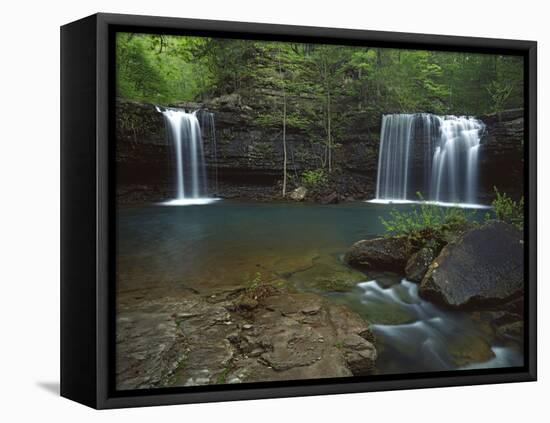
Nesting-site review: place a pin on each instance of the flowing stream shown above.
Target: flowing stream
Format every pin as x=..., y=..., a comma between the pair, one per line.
x=434, y=155
x=414, y=335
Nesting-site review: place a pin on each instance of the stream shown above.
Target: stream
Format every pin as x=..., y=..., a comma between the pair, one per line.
x=416, y=336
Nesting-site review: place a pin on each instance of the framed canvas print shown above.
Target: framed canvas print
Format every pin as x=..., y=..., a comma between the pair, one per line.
x=254, y=211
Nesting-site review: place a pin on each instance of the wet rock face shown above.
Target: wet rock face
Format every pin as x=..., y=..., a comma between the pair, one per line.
x=483, y=268
x=193, y=341
x=249, y=155
x=501, y=154
x=418, y=264
x=379, y=254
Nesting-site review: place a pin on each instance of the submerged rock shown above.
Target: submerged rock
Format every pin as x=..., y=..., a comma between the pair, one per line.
x=380, y=254
x=484, y=267
x=468, y=349
x=327, y=274
x=418, y=264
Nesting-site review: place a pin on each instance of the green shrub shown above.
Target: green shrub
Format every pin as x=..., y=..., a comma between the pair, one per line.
x=427, y=223
x=314, y=178
x=255, y=282
x=508, y=210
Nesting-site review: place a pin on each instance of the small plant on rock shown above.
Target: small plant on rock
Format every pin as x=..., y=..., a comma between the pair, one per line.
x=312, y=179
x=508, y=210
x=428, y=223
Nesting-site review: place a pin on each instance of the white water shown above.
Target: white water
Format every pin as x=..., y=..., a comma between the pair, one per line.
x=393, y=160
x=209, y=132
x=436, y=155
x=435, y=203
x=184, y=132
x=429, y=330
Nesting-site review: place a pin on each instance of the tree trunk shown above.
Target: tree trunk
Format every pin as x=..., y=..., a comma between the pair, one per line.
x=285, y=155
x=284, y=145
x=329, y=132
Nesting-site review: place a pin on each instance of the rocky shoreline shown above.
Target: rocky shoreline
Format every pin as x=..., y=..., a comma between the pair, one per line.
x=250, y=335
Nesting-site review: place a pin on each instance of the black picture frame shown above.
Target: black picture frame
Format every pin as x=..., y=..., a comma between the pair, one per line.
x=87, y=211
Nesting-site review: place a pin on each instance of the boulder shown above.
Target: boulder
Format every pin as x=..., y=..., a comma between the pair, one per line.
x=331, y=198
x=418, y=264
x=483, y=268
x=299, y=194
x=380, y=254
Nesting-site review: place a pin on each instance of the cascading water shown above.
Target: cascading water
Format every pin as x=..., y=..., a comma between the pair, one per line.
x=414, y=335
x=436, y=155
x=209, y=131
x=394, y=148
x=184, y=132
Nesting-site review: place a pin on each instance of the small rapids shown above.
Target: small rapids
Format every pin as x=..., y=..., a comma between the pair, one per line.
x=413, y=335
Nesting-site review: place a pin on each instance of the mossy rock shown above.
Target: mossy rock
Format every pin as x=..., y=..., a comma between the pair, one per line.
x=327, y=274
x=376, y=313
x=387, y=315
x=468, y=349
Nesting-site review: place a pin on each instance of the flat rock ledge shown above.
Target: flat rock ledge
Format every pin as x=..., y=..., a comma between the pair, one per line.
x=239, y=337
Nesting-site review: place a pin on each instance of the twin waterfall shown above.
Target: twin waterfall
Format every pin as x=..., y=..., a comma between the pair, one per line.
x=184, y=132
x=434, y=155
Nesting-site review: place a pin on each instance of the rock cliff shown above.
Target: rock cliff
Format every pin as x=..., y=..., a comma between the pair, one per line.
x=249, y=155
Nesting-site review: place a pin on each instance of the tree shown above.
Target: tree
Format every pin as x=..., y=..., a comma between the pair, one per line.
x=499, y=93
x=284, y=124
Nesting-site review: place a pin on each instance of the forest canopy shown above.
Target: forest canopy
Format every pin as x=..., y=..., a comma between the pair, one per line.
x=165, y=69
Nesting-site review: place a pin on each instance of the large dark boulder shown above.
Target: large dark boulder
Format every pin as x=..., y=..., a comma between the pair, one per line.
x=380, y=254
x=483, y=268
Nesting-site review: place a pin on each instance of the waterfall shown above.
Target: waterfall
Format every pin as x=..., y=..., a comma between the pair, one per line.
x=394, y=148
x=434, y=155
x=209, y=130
x=184, y=133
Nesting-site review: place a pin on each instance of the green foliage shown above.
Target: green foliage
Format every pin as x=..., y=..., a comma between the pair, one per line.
x=428, y=222
x=159, y=68
x=164, y=68
x=255, y=282
x=499, y=91
x=312, y=179
x=222, y=377
x=317, y=90
x=508, y=210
